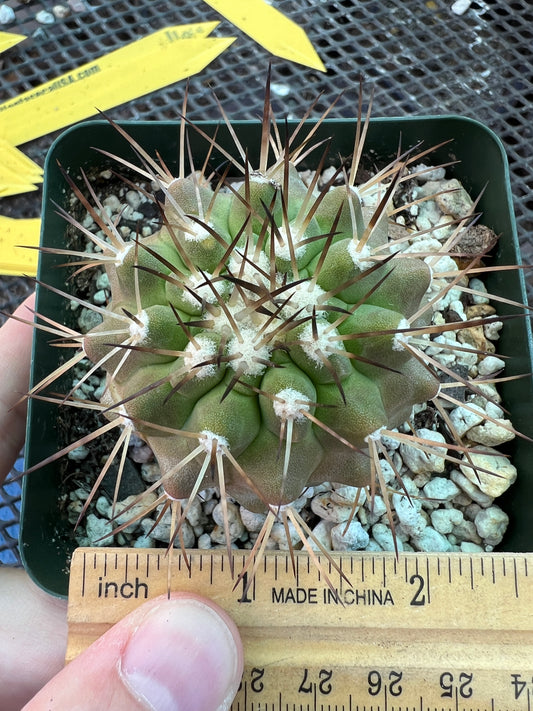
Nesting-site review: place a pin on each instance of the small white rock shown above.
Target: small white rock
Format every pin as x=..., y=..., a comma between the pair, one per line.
x=489, y=391
x=466, y=357
x=431, y=540
x=390, y=442
x=428, y=215
x=74, y=510
x=466, y=531
x=186, y=534
x=143, y=542
x=355, y=538
x=456, y=201
x=347, y=495
x=236, y=528
x=113, y=202
x=280, y=89
x=135, y=510
x=87, y=221
x=471, y=511
x=79, y=494
x=99, y=531
x=444, y=264
x=443, y=228
x=150, y=472
x=441, y=343
x=387, y=471
x=494, y=411
x=491, y=433
x=423, y=244
x=161, y=532
x=78, y=454
x=131, y=214
x=7, y=15
x=490, y=364
x=446, y=359
x=471, y=490
x=102, y=281
x=252, y=521
x=141, y=454
x=429, y=173
x=462, y=500
x=61, y=11
x=279, y=536
x=322, y=536
x=464, y=418
x=495, y=474
x=100, y=297
x=458, y=308
x=492, y=330
x=376, y=509
x=329, y=510
x=491, y=524
x=77, y=5
x=420, y=461
x=195, y=514
x=45, y=18
x=443, y=520
x=103, y=506
x=479, y=286
x=409, y=514
x=204, y=542
x=299, y=503
x=459, y=7
x=382, y=535
x=133, y=199
x=469, y=547
x=440, y=489
x=422, y=479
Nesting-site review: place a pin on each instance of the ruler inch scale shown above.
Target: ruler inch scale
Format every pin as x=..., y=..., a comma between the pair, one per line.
x=421, y=632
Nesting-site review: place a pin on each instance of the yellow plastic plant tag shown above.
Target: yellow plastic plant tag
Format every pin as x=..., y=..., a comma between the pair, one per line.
x=14, y=259
x=9, y=39
x=14, y=188
x=16, y=161
x=18, y=173
x=162, y=58
x=271, y=29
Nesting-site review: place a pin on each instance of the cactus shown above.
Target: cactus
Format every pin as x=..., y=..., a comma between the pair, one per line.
x=267, y=337
x=204, y=338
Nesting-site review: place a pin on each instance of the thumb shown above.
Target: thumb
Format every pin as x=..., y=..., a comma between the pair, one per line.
x=182, y=654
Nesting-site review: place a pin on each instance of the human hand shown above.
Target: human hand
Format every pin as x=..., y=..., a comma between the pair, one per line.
x=177, y=653
x=33, y=625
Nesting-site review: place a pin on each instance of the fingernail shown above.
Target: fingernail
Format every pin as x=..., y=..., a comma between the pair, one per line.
x=182, y=656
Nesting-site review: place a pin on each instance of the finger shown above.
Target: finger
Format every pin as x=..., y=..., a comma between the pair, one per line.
x=33, y=634
x=182, y=653
x=15, y=358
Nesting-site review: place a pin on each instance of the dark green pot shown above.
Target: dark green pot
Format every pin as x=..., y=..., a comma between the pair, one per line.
x=46, y=541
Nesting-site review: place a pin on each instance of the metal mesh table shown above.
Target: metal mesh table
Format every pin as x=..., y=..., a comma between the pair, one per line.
x=418, y=55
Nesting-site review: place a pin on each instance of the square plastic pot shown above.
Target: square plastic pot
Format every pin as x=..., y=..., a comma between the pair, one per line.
x=47, y=540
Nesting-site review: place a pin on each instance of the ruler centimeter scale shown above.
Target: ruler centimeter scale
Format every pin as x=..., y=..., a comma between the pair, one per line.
x=424, y=632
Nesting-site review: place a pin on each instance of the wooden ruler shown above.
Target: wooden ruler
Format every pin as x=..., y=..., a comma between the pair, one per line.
x=424, y=632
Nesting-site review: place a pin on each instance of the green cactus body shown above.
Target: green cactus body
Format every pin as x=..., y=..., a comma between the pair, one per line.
x=258, y=328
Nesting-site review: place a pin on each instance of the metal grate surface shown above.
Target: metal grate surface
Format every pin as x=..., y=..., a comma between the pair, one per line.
x=418, y=55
